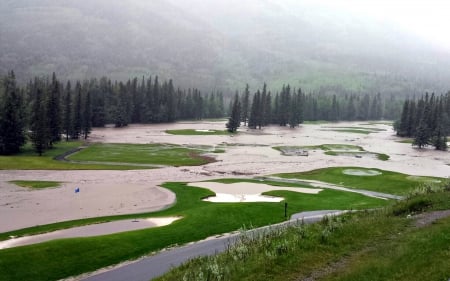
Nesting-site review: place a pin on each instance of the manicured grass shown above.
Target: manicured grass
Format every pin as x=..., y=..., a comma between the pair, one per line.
x=387, y=181
x=156, y=154
x=192, y=132
x=62, y=258
x=373, y=245
x=36, y=184
x=29, y=160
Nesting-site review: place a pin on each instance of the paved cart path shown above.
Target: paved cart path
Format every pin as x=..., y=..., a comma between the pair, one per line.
x=151, y=267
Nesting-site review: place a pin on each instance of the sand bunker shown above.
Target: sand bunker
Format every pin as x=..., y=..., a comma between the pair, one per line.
x=358, y=172
x=90, y=230
x=204, y=131
x=235, y=198
x=247, y=191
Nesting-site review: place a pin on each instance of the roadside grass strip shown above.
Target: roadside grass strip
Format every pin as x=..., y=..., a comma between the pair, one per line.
x=145, y=154
x=198, y=132
x=68, y=257
x=364, y=178
x=370, y=245
x=331, y=149
x=36, y=184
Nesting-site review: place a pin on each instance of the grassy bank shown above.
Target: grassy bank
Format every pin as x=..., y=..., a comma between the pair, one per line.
x=62, y=258
x=381, y=181
x=378, y=245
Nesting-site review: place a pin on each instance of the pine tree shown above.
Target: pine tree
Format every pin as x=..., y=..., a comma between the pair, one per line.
x=254, y=120
x=39, y=130
x=87, y=115
x=53, y=111
x=234, y=121
x=77, y=119
x=67, y=120
x=245, y=105
x=12, y=135
x=295, y=110
x=334, y=114
x=422, y=137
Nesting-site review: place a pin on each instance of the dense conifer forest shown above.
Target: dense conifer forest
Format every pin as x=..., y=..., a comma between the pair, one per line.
x=46, y=110
x=427, y=120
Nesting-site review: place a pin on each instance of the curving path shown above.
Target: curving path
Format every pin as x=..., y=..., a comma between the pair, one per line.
x=151, y=267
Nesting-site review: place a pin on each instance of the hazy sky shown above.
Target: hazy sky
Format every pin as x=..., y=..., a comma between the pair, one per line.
x=428, y=19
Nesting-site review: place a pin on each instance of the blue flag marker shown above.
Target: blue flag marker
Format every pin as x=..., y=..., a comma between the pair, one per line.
x=77, y=190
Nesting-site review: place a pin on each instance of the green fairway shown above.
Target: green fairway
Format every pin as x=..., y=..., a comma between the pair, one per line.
x=62, y=258
x=29, y=160
x=151, y=154
x=382, y=181
x=192, y=132
x=36, y=184
x=376, y=245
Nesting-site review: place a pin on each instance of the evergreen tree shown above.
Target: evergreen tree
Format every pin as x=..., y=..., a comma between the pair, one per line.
x=295, y=110
x=39, y=130
x=87, y=115
x=12, y=135
x=77, y=118
x=53, y=111
x=255, y=113
x=334, y=114
x=422, y=137
x=285, y=99
x=120, y=113
x=67, y=120
x=245, y=105
x=234, y=121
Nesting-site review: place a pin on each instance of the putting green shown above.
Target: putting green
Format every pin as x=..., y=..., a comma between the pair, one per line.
x=363, y=173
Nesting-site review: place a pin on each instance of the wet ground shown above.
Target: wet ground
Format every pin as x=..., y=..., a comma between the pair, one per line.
x=247, y=154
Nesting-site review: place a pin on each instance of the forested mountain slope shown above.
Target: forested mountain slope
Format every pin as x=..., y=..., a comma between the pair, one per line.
x=218, y=45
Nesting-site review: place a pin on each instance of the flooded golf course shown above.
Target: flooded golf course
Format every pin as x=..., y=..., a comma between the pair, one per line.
x=247, y=154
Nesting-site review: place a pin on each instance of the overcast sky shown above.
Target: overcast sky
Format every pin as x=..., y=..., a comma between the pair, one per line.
x=429, y=19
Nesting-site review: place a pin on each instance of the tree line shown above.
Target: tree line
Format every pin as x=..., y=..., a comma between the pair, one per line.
x=46, y=110
x=292, y=107
x=427, y=120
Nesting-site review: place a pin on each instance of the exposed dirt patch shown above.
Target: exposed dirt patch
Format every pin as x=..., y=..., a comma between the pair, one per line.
x=425, y=219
